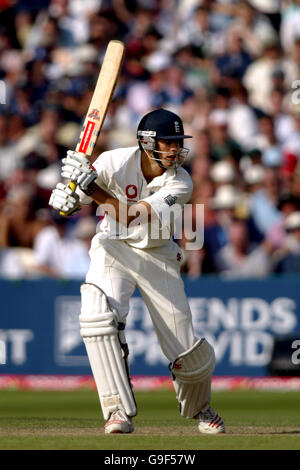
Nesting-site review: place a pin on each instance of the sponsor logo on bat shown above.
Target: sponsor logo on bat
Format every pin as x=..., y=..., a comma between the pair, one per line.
x=94, y=114
x=88, y=132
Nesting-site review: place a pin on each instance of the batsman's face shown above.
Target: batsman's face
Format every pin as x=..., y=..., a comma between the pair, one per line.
x=170, y=149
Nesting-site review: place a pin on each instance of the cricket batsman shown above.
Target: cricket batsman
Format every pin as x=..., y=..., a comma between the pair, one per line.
x=137, y=188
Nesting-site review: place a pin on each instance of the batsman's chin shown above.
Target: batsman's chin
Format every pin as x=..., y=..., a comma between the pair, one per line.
x=169, y=162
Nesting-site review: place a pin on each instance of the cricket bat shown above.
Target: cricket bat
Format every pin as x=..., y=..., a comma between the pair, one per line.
x=102, y=96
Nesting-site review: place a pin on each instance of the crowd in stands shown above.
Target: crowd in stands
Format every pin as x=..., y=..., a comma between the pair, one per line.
x=229, y=68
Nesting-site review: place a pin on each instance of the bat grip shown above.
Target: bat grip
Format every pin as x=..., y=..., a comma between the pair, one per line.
x=72, y=186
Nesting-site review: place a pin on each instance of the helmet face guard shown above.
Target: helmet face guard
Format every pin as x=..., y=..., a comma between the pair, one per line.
x=148, y=142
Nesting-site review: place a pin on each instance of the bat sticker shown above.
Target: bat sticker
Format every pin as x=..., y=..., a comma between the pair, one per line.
x=86, y=137
x=94, y=114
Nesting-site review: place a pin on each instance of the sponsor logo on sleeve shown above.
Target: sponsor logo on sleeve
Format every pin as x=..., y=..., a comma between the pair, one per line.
x=170, y=200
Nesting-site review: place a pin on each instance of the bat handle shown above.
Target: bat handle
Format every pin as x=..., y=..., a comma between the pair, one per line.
x=73, y=186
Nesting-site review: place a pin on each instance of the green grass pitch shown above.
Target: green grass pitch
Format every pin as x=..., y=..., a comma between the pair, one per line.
x=255, y=420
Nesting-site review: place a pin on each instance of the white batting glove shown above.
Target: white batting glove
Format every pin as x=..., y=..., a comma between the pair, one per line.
x=64, y=199
x=78, y=169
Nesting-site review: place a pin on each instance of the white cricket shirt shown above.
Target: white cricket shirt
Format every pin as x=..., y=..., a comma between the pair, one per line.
x=121, y=176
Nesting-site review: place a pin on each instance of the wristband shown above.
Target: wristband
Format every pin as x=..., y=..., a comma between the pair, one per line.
x=90, y=189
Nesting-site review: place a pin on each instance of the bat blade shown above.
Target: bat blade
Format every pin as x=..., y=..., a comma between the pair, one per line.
x=100, y=101
x=102, y=96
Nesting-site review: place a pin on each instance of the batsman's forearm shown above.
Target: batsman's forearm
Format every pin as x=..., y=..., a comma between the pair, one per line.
x=111, y=206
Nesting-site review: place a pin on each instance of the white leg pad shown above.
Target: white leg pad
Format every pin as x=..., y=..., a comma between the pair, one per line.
x=107, y=355
x=191, y=373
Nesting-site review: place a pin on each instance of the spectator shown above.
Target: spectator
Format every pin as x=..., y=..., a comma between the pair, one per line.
x=143, y=95
x=201, y=217
x=261, y=70
x=199, y=32
x=58, y=254
x=294, y=55
x=254, y=176
x=276, y=234
x=289, y=28
x=242, y=120
x=284, y=124
x=287, y=172
x=224, y=204
x=18, y=223
x=292, y=141
x=174, y=93
x=223, y=172
x=264, y=202
x=222, y=146
x=10, y=264
x=295, y=182
x=197, y=68
x=42, y=139
x=203, y=145
x=270, y=8
x=235, y=61
x=238, y=258
x=287, y=259
x=265, y=138
x=253, y=27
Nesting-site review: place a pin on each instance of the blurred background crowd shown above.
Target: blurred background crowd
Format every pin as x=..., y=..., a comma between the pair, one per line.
x=229, y=68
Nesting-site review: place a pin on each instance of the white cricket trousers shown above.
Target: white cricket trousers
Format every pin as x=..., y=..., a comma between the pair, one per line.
x=118, y=269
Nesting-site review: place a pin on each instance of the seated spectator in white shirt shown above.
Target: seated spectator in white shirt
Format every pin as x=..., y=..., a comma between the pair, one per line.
x=61, y=255
x=264, y=201
x=238, y=259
